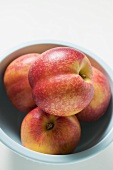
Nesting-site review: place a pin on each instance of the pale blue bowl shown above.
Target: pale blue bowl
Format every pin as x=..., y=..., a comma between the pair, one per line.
x=96, y=136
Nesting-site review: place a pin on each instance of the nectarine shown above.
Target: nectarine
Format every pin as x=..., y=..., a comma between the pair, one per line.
x=17, y=84
x=99, y=104
x=61, y=81
x=50, y=134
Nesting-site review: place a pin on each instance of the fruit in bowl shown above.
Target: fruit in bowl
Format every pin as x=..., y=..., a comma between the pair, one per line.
x=99, y=134
x=102, y=95
x=61, y=81
x=63, y=84
x=17, y=84
x=50, y=134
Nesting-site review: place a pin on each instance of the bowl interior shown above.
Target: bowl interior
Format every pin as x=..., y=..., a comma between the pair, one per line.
x=92, y=133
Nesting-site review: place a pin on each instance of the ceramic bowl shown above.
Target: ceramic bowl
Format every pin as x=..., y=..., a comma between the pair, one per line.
x=96, y=136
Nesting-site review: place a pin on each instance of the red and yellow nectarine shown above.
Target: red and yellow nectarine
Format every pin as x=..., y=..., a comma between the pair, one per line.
x=61, y=81
x=99, y=104
x=50, y=134
x=17, y=84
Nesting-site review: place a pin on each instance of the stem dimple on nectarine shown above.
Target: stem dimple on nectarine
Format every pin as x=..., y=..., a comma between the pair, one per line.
x=49, y=125
x=83, y=76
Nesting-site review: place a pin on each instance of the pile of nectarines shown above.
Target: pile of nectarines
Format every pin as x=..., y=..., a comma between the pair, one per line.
x=57, y=89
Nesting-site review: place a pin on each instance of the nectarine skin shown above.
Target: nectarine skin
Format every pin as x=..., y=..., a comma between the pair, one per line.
x=17, y=84
x=99, y=104
x=50, y=134
x=61, y=81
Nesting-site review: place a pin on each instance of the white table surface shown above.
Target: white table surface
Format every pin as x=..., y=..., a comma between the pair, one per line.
x=87, y=23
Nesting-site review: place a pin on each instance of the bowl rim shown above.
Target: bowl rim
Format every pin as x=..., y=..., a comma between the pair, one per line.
x=57, y=159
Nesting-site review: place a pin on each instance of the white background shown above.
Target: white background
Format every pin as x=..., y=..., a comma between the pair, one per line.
x=87, y=23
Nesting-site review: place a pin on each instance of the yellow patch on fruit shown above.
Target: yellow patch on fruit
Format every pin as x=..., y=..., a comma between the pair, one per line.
x=98, y=96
